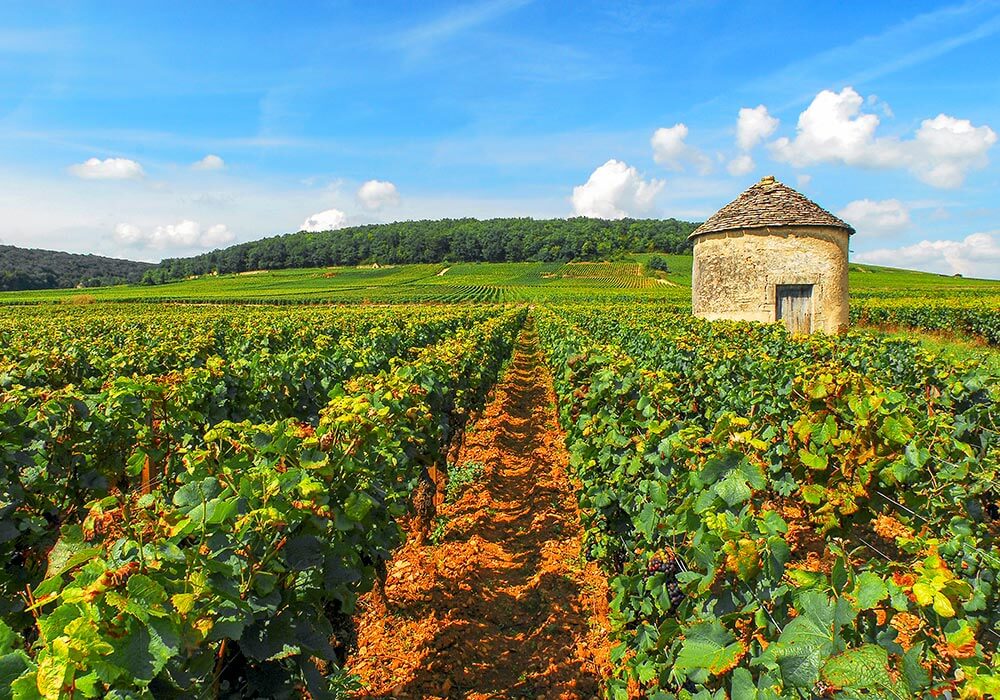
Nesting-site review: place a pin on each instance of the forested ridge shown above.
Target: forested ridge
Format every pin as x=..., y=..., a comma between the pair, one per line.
x=30, y=268
x=403, y=242
x=444, y=240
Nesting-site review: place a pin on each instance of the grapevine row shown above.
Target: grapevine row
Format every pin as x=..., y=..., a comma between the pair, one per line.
x=783, y=517
x=227, y=571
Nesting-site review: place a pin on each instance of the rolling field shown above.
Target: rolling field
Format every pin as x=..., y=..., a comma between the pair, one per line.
x=482, y=282
x=386, y=497
x=881, y=297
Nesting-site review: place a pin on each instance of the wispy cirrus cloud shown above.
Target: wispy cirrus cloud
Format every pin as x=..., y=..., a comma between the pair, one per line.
x=911, y=42
x=30, y=40
x=422, y=38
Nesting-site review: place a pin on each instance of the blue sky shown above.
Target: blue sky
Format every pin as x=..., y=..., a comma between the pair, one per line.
x=150, y=129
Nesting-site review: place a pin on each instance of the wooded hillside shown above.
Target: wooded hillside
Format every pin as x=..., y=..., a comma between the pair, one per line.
x=30, y=268
x=445, y=240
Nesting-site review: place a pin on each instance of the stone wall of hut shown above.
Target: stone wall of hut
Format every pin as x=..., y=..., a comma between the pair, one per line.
x=736, y=273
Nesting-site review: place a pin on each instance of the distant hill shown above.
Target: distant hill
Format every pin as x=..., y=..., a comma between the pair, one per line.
x=30, y=268
x=444, y=240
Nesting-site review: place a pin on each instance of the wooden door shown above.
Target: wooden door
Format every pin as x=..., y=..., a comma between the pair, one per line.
x=794, y=306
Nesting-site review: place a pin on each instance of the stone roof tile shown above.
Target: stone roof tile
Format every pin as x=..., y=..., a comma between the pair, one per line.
x=769, y=204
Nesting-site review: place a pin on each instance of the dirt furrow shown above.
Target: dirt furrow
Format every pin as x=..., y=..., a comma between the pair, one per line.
x=502, y=604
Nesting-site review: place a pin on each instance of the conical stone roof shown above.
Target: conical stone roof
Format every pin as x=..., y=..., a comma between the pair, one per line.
x=769, y=204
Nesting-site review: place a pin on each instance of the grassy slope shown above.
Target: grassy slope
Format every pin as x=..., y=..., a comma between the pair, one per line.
x=525, y=282
x=485, y=281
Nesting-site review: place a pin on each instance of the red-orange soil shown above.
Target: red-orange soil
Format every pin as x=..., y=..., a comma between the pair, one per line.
x=504, y=605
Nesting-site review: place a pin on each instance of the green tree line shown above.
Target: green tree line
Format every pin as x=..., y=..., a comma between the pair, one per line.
x=29, y=268
x=445, y=240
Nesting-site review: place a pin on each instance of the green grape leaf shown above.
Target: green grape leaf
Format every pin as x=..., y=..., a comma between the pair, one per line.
x=12, y=666
x=709, y=645
x=69, y=551
x=806, y=642
x=743, y=685
x=864, y=668
x=917, y=677
x=870, y=591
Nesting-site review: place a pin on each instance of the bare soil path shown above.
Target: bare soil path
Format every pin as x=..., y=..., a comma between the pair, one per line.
x=503, y=605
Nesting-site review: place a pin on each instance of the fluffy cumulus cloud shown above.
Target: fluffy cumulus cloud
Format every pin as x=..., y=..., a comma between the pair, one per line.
x=216, y=235
x=753, y=126
x=128, y=234
x=876, y=216
x=615, y=190
x=977, y=255
x=671, y=150
x=327, y=220
x=209, y=162
x=185, y=234
x=833, y=129
x=946, y=148
x=377, y=194
x=108, y=169
x=741, y=165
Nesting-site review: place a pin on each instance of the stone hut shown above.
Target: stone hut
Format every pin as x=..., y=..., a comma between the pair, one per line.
x=772, y=255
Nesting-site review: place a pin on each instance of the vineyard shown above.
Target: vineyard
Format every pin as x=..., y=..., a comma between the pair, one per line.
x=883, y=298
x=207, y=498
x=784, y=517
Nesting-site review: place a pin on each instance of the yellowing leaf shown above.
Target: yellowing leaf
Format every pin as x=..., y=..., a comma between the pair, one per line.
x=923, y=593
x=183, y=602
x=942, y=606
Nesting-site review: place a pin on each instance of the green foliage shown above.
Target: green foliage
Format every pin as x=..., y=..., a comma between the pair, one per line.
x=834, y=502
x=454, y=240
x=971, y=315
x=658, y=263
x=220, y=572
x=460, y=477
x=189, y=493
x=437, y=283
x=28, y=268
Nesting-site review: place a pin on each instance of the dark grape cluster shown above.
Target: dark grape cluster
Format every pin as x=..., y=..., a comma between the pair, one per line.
x=619, y=557
x=669, y=567
x=992, y=510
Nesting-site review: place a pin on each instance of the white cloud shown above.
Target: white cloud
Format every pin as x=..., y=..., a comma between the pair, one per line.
x=128, y=234
x=831, y=130
x=753, y=126
x=834, y=130
x=875, y=103
x=803, y=180
x=741, y=165
x=327, y=220
x=108, y=169
x=946, y=148
x=217, y=235
x=977, y=255
x=376, y=194
x=209, y=162
x=671, y=151
x=185, y=234
x=876, y=217
x=615, y=190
